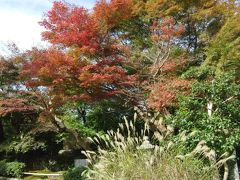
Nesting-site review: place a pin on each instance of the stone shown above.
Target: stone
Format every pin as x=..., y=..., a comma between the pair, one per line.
x=80, y=162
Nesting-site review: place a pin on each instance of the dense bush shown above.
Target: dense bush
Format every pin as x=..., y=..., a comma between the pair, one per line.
x=212, y=111
x=12, y=169
x=74, y=174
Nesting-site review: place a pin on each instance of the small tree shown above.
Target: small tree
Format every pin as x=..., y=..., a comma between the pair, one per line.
x=212, y=110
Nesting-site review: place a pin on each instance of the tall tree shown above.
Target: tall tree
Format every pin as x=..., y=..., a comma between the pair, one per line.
x=223, y=52
x=199, y=17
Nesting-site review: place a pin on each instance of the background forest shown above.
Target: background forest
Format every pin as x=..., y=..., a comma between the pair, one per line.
x=167, y=71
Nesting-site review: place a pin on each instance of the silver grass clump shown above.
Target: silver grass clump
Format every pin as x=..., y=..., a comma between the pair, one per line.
x=127, y=138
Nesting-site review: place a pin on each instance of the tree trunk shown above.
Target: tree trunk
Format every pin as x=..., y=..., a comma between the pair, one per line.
x=236, y=172
x=233, y=173
x=231, y=169
x=82, y=114
x=226, y=171
x=1, y=131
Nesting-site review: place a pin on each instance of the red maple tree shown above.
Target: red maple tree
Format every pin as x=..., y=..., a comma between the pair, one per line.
x=71, y=78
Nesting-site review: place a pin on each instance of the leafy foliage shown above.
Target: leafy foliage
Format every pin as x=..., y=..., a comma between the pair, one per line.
x=73, y=122
x=12, y=169
x=74, y=174
x=124, y=55
x=223, y=52
x=212, y=111
x=70, y=26
x=74, y=79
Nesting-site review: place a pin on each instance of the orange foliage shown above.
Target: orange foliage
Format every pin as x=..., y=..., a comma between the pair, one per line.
x=71, y=26
x=22, y=105
x=49, y=67
x=110, y=14
x=75, y=79
x=164, y=92
x=86, y=32
x=172, y=65
x=166, y=30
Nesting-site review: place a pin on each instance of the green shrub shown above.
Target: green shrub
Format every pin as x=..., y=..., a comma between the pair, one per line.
x=74, y=174
x=212, y=111
x=2, y=167
x=12, y=169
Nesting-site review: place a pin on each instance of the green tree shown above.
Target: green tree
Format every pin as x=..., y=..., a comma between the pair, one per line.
x=223, y=54
x=202, y=18
x=212, y=112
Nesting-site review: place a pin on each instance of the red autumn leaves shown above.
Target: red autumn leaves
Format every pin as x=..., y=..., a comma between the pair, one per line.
x=74, y=78
x=90, y=68
x=166, y=30
x=85, y=62
x=87, y=32
x=71, y=26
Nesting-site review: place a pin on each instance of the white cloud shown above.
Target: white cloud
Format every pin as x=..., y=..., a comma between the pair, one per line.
x=26, y=6
x=85, y=3
x=20, y=28
x=19, y=21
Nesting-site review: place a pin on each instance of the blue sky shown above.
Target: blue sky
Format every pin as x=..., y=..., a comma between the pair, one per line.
x=19, y=21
